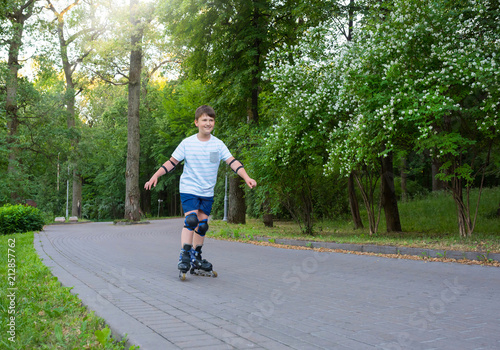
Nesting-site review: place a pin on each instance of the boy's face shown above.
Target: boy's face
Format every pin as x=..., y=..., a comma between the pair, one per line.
x=205, y=124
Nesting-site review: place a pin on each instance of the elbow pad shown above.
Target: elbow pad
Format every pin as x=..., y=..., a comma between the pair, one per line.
x=238, y=168
x=166, y=171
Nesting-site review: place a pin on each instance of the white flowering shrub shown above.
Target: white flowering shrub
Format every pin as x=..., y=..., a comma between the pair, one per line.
x=419, y=75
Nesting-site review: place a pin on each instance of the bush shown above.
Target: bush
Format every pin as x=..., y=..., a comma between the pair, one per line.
x=20, y=219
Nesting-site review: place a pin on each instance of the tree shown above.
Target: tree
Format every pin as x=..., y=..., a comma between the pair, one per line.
x=300, y=76
x=388, y=194
x=440, y=99
x=119, y=60
x=171, y=122
x=41, y=138
x=69, y=67
x=227, y=43
x=385, y=97
x=347, y=32
x=371, y=97
x=132, y=198
x=17, y=13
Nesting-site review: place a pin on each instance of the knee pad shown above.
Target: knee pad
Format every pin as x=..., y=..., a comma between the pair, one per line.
x=191, y=221
x=202, y=227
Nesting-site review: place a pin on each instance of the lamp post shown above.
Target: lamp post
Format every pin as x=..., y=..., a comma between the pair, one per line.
x=159, y=204
x=58, y=172
x=226, y=200
x=67, y=195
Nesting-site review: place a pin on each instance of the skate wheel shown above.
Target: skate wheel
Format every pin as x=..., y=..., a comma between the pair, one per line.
x=214, y=274
x=182, y=276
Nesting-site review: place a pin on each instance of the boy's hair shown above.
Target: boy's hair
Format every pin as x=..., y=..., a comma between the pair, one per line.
x=204, y=110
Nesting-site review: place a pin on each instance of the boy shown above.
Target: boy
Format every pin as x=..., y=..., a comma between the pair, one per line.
x=202, y=154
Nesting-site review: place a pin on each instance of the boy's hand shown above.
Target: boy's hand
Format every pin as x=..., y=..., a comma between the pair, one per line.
x=251, y=183
x=151, y=183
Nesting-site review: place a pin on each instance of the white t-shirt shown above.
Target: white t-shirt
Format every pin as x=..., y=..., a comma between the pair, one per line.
x=201, y=163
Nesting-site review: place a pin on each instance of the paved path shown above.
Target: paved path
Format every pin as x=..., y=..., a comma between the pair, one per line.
x=270, y=298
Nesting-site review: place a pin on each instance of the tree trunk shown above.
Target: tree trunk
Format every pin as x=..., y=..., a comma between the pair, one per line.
x=76, y=207
x=237, y=206
x=367, y=196
x=257, y=65
x=459, y=202
x=11, y=98
x=70, y=121
x=77, y=194
x=17, y=19
x=12, y=120
x=268, y=220
x=350, y=20
x=146, y=202
x=388, y=194
x=68, y=69
x=267, y=217
x=132, y=195
x=353, y=203
x=404, y=177
x=437, y=185
x=308, y=208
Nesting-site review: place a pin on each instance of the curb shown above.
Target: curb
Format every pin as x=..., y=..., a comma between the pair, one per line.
x=380, y=249
x=118, y=223
x=69, y=223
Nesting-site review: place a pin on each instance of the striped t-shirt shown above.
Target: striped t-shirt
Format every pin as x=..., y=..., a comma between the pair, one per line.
x=201, y=163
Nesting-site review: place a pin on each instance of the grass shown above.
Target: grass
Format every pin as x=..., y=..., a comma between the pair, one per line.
x=428, y=222
x=36, y=311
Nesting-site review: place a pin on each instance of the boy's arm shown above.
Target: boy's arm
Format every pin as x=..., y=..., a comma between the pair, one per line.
x=238, y=168
x=167, y=167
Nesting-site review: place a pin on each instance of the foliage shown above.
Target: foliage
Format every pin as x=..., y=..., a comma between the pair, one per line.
x=225, y=42
x=109, y=53
x=418, y=79
x=34, y=127
x=174, y=119
x=20, y=218
x=169, y=122
x=43, y=139
x=379, y=94
x=105, y=150
x=294, y=150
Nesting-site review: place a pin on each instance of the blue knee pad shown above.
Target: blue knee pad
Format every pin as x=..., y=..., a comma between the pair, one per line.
x=191, y=221
x=202, y=227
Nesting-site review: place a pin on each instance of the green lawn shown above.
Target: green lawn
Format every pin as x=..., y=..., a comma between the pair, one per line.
x=428, y=222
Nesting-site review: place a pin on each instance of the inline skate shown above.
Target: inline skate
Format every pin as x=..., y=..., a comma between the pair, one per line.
x=184, y=261
x=200, y=266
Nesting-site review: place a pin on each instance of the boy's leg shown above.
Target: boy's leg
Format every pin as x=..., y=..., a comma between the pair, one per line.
x=198, y=239
x=186, y=236
x=197, y=261
x=190, y=223
x=204, y=210
x=188, y=232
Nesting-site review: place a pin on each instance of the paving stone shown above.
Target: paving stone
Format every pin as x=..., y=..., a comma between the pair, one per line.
x=270, y=298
